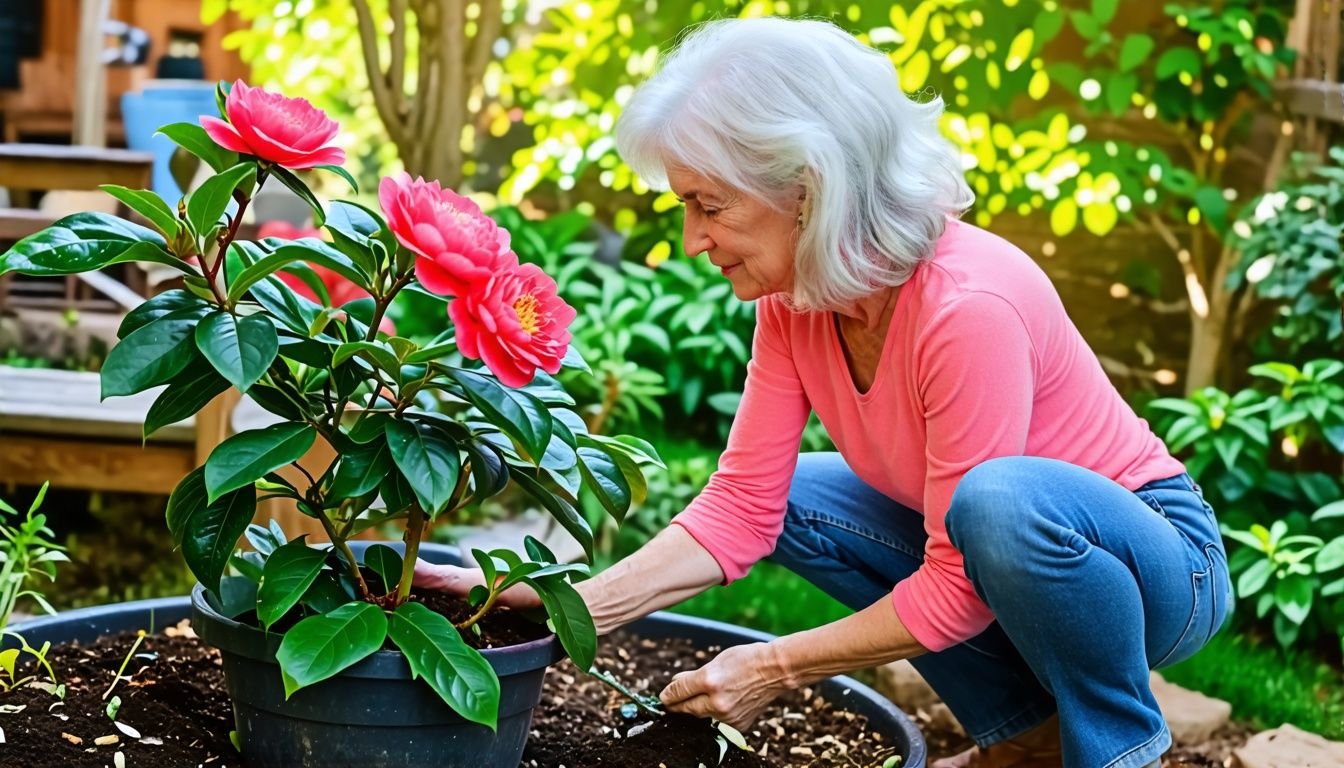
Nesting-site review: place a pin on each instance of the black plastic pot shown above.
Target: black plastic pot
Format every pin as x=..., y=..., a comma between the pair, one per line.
x=374, y=713
x=418, y=743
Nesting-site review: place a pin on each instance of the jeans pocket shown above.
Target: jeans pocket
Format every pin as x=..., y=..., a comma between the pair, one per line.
x=1210, y=601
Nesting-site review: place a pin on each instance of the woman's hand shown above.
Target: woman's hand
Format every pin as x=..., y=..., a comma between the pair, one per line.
x=456, y=580
x=733, y=688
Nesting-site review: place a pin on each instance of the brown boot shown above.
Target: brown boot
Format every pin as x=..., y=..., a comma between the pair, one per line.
x=1037, y=748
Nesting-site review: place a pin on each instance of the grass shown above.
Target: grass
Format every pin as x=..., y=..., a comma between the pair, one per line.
x=1265, y=686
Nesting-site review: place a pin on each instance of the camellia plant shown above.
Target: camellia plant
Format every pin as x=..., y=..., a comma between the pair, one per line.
x=420, y=432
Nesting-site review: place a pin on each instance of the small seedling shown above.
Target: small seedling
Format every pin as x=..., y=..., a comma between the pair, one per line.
x=647, y=703
x=139, y=638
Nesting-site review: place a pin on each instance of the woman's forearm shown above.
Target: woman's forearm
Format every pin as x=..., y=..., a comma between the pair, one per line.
x=671, y=568
x=868, y=638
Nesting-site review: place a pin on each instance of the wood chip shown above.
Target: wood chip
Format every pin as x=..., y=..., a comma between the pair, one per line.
x=104, y=741
x=119, y=760
x=72, y=738
x=801, y=751
x=126, y=729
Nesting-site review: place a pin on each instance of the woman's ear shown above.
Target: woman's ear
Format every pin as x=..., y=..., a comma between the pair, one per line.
x=805, y=197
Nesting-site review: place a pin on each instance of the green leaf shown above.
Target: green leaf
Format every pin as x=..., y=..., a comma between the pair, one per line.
x=1177, y=60
x=147, y=204
x=84, y=242
x=195, y=140
x=208, y=531
x=1104, y=10
x=1135, y=51
x=385, y=562
x=241, y=349
x=163, y=304
x=1333, y=509
x=361, y=470
x=344, y=174
x=560, y=509
x=1331, y=556
x=396, y=492
x=321, y=646
x=247, y=456
x=294, y=311
x=297, y=186
x=428, y=462
x=1293, y=597
x=1213, y=205
x=211, y=199
x=373, y=351
x=326, y=594
x=187, y=393
x=237, y=596
x=258, y=271
x=604, y=477
x=489, y=472
x=456, y=671
x=521, y=416
x=1253, y=579
x=289, y=571
x=569, y=615
x=151, y=355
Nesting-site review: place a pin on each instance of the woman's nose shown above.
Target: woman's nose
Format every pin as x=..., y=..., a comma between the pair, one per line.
x=694, y=239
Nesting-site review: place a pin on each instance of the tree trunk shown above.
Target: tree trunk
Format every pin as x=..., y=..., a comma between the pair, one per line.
x=426, y=119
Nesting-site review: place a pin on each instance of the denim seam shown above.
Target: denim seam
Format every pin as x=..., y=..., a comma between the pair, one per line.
x=1123, y=761
x=812, y=517
x=1019, y=723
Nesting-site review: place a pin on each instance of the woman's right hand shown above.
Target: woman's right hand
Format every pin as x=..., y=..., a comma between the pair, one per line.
x=456, y=580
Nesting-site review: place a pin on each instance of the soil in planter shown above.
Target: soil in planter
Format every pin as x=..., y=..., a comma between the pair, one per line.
x=580, y=722
x=174, y=699
x=499, y=627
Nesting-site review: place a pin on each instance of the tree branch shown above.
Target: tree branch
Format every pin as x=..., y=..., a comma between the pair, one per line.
x=488, y=26
x=383, y=98
x=396, y=66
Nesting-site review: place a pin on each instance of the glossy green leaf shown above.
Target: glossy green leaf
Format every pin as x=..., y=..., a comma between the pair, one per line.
x=361, y=470
x=296, y=185
x=521, y=416
x=151, y=355
x=428, y=462
x=188, y=392
x=385, y=562
x=147, y=204
x=569, y=615
x=237, y=596
x=158, y=306
x=605, y=479
x=208, y=531
x=564, y=512
x=240, y=348
x=294, y=311
x=1331, y=556
x=456, y=671
x=84, y=242
x=289, y=571
x=1135, y=50
x=207, y=203
x=247, y=456
x=193, y=138
x=375, y=352
x=321, y=646
x=1293, y=595
x=344, y=174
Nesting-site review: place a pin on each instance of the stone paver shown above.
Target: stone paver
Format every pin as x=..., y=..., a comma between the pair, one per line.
x=1191, y=716
x=1289, y=747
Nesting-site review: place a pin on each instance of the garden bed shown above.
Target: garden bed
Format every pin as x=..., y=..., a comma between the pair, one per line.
x=173, y=697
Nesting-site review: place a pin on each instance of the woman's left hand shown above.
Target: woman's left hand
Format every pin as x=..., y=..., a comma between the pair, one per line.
x=733, y=688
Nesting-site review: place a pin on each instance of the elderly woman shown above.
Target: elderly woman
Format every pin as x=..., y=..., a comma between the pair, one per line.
x=995, y=513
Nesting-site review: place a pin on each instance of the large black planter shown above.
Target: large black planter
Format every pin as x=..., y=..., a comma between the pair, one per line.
x=371, y=691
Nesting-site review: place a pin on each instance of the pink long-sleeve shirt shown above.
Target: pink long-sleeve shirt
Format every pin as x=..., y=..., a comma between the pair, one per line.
x=980, y=361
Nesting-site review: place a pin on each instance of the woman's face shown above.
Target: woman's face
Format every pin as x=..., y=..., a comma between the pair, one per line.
x=749, y=241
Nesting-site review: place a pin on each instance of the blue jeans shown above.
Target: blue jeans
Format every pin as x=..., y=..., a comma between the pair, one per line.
x=1091, y=585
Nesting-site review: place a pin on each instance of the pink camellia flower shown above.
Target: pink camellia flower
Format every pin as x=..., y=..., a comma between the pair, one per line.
x=515, y=323
x=288, y=132
x=339, y=287
x=456, y=244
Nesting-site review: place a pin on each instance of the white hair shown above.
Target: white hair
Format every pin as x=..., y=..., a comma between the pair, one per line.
x=775, y=108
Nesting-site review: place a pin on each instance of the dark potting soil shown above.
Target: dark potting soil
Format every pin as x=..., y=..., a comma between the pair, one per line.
x=499, y=627
x=173, y=697
x=579, y=721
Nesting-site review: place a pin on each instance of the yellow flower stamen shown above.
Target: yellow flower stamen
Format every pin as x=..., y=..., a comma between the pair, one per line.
x=526, y=309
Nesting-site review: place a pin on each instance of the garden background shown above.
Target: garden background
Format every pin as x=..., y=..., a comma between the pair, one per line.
x=1169, y=165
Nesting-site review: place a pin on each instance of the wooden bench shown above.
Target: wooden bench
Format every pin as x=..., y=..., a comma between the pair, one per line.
x=29, y=168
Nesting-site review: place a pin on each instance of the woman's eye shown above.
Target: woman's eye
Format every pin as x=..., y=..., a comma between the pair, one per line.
x=711, y=212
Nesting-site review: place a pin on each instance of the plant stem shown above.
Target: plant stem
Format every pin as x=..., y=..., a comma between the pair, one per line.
x=380, y=308
x=344, y=547
x=139, y=638
x=484, y=609
x=415, y=529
